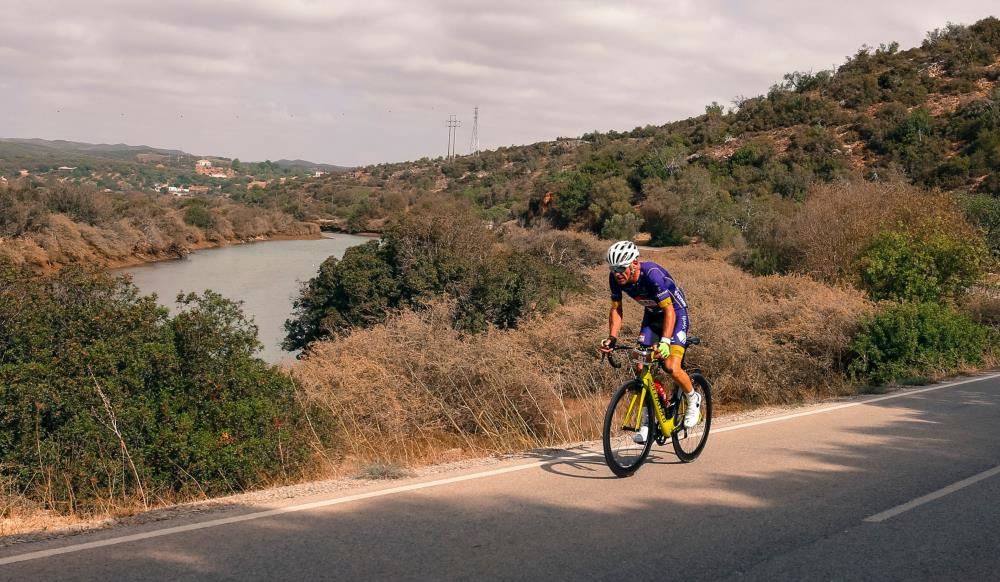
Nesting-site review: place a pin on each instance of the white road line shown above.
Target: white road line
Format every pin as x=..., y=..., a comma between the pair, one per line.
x=415, y=486
x=890, y=513
x=261, y=514
x=850, y=404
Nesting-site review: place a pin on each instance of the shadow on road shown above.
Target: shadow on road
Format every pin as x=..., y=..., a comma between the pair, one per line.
x=753, y=493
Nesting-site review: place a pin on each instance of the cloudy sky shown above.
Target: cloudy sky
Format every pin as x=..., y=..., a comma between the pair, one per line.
x=355, y=82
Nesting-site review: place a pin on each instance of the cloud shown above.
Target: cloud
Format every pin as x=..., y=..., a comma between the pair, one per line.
x=372, y=81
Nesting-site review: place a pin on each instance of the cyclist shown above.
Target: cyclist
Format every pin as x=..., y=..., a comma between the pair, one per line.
x=652, y=287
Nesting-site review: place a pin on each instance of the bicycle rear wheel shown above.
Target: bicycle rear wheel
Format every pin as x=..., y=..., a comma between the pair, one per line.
x=690, y=442
x=622, y=422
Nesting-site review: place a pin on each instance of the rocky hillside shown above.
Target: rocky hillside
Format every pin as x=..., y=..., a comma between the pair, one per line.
x=928, y=115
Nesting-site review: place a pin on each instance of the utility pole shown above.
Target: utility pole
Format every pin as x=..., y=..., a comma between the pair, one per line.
x=453, y=123
x=474, y=142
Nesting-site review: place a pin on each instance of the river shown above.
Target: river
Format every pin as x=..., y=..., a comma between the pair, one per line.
x=264, y=275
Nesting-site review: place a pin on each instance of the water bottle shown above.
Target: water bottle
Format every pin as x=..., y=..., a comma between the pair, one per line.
x=661, y=392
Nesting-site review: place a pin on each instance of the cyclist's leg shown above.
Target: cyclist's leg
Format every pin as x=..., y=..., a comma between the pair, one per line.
x=678, y=342
x=650, y=330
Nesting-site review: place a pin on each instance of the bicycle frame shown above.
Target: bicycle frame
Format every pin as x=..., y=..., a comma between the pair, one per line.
x=667, y=424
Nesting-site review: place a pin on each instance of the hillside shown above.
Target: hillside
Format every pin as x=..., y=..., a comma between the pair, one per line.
x=127, y=168
x=103, y=150
x=929, y=115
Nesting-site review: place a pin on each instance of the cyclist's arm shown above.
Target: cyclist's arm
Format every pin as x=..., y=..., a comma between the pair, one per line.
x=669, y=318
x=615, y=317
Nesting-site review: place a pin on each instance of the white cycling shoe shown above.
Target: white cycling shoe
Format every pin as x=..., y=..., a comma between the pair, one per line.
x=639, y=438
x=692, y=413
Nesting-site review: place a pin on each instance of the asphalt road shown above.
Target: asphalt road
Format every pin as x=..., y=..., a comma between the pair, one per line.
x=898, y=487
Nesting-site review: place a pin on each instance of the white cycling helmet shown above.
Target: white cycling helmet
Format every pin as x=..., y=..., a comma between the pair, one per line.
x=622, y=253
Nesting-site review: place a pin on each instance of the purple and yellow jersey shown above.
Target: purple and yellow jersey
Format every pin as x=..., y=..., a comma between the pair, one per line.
x=655, y=289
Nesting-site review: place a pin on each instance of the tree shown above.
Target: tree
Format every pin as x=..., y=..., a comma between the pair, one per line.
x=610, y=197
x=358, y=290
x=621, y=227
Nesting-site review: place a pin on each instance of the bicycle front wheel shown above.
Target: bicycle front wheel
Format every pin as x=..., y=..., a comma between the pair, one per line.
x=690, y=442
x=625, y=449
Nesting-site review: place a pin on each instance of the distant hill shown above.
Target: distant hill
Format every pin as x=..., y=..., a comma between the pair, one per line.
x=39, y=154
x=99, y=148
x=122, y=167
x=307, y=165
x=32, y=152
x=28, y=150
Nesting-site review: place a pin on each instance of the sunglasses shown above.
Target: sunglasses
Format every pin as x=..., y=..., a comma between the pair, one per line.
x=620, y=270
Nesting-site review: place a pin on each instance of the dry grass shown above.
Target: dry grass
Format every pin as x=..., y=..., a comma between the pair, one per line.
x=839, y=220
x=134, y=240
x=414, y=390
x=982, y=303
x=42, y=521
x=20, y=515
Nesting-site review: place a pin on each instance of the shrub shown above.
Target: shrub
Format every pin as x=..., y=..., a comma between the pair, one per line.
x=983, y=308
x=105, y=399
x=357, y=290
x=984, y=211
x=621, y=227
x=572, y=198
x=426, y=254
x=199, y=215
x=662, y=214
x=914, y=339
x=839, y=221
x=571, y=250
x=509, y=287
x=925, y=266
x=610, y=198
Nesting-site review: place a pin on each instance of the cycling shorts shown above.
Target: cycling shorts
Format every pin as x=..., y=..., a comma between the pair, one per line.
x=652, y=330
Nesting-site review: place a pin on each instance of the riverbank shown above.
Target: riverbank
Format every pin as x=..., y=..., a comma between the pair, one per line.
x=139, y=260
x=68, y=243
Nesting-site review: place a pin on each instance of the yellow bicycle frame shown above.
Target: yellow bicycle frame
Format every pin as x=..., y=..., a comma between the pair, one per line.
x=667, y=425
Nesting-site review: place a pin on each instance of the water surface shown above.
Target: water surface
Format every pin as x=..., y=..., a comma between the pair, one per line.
x=265, y=276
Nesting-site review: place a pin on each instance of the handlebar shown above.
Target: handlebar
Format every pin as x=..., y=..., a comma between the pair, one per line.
x=643, y=351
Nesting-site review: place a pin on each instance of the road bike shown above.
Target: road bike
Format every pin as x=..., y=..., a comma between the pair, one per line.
x=638, y=405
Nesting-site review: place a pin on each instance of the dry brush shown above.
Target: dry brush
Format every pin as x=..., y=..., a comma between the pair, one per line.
x=415, y=390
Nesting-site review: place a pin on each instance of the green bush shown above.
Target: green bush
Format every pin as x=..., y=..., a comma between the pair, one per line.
x=984, y=211
x=105, y=398
x=905, y=266
x=199, y=215
x=358, y=290
x=621, y=227
x=425, y=254
x=572, y=198
x=914, y=339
